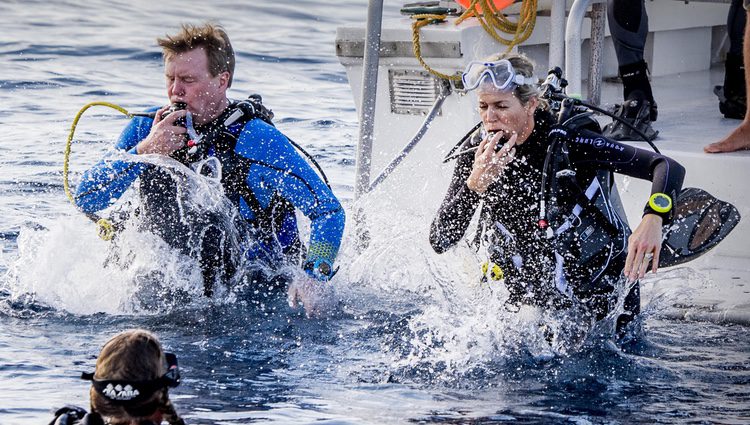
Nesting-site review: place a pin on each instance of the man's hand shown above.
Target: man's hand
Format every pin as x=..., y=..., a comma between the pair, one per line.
x=316, y=297
x=165, y=137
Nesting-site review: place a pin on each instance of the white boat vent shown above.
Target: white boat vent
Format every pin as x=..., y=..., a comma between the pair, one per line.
x=412, y=92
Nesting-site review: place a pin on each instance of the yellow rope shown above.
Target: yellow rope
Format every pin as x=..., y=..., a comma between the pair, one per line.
x=489, y=18
x=420, y=21
x=106, y=231
x=492, y=21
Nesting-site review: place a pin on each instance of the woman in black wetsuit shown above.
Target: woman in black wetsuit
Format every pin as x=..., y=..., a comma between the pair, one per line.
x=569, y=255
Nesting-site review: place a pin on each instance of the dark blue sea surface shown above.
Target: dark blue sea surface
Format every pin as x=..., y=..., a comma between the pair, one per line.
x=406, y=342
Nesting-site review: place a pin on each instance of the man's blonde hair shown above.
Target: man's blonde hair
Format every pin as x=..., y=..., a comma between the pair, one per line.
x=211, y=37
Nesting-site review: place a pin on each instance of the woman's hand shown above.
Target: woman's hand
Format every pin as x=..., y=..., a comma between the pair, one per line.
x=488, y=164
x=644, y=245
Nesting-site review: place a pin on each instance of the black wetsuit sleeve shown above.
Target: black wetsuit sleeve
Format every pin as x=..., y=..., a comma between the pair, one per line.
x=666, y=174
x=457, y=209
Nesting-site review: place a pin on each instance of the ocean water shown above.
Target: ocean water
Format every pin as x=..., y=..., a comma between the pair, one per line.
x=411, y=337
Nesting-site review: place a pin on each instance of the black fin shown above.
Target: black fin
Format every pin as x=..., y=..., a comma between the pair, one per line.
x=639, y=113
x=700, y=223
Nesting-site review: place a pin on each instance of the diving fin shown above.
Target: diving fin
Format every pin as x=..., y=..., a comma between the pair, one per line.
x=700, y=223
x=639, y=113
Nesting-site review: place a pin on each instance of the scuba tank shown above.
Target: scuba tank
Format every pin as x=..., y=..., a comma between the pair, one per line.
x=589, y=237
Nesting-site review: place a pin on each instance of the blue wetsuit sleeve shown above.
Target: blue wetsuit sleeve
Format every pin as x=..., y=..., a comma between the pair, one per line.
x=276, y=167
x=106, y=181
x=666, y=174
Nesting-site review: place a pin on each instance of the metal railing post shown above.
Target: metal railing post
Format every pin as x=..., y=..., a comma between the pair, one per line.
x=573, y=45
x=370, y=63
x=598, y=19
x=557, y=34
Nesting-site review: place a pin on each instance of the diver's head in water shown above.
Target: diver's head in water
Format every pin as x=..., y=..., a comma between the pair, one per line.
x=508, y=94
x=129, y=385
x=199, y=67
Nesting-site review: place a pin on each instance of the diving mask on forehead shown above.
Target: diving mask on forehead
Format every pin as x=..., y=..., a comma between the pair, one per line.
x=500, y=73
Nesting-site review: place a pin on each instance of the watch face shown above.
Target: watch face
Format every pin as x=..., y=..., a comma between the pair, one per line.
x=324, y=269
x=660, y=202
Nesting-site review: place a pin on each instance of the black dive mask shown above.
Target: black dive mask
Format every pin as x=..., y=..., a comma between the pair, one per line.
x=126, y=392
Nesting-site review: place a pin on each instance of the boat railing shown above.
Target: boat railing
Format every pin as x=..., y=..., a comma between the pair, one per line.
x=573, y=29
x=370, y=63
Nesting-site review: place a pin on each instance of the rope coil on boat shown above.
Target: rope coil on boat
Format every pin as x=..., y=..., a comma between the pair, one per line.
x=420, y=21
x=492, y=21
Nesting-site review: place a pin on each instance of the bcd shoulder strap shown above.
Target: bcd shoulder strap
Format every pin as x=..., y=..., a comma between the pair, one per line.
x=224, y=138
x=563, y=170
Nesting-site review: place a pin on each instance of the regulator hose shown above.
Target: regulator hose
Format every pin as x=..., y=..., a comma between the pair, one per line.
x=105, y=227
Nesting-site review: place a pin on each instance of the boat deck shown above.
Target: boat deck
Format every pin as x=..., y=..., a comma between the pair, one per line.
x=689, y=115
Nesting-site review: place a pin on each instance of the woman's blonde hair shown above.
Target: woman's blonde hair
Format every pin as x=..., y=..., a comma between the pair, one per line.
x=134, y=355
x=524, y=66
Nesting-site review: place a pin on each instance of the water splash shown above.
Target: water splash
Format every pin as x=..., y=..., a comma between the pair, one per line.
x=62, y=262
x=446, y=321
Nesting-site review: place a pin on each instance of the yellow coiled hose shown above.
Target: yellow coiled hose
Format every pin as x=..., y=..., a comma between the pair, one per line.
x=105, y=228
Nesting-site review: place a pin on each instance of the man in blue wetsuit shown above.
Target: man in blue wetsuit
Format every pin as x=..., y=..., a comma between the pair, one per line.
x=262, y=174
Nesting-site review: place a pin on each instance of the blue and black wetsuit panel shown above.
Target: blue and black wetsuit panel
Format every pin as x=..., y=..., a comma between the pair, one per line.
x=263, y=174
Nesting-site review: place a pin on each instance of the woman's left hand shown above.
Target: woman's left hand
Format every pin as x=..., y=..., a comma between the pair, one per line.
x=644, y=246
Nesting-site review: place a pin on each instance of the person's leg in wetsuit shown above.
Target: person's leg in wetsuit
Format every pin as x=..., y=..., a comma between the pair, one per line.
x=602, y=297
x=628, y=23
x=599, y=305
x=732, y=95
x=216, y=259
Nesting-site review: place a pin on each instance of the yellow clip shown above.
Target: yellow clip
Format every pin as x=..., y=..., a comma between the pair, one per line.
x=496, y=273
x=105, y=228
